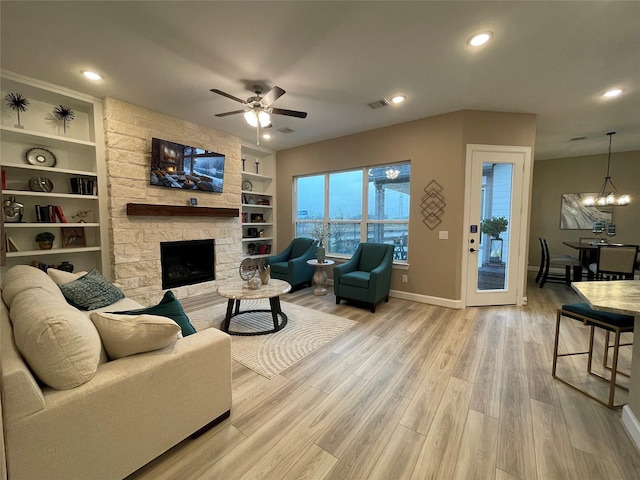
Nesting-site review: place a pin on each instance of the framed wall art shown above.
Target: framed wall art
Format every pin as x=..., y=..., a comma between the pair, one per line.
x=575, y=215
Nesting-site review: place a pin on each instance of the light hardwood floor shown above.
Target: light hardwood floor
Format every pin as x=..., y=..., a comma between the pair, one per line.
x=416, y=391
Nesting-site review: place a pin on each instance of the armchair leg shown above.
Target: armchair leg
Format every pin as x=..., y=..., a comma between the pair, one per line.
x=337, y=300
x=373, y=308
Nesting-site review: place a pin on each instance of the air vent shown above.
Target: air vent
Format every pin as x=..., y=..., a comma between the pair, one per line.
x=575, y=139
x=383, y=102
x=285, y=130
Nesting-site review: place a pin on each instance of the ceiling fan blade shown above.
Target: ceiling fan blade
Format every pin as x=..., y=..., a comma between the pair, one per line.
x=226, y=114
x=290, y=113
x=271, y=96
x=224, y=94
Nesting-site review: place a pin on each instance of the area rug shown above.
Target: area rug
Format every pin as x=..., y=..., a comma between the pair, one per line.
x=270, y=354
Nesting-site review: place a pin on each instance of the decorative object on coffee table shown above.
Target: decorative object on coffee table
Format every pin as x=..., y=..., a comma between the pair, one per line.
x=64, y=113
x=18, y=103
x=248, y=268
x=45, y=240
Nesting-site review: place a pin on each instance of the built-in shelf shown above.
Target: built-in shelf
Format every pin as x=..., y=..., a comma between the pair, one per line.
x=149, y=210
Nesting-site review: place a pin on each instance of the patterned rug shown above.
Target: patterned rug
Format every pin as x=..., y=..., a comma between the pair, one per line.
x=270, y=354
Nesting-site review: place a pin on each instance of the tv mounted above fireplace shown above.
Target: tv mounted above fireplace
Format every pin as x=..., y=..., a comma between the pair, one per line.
x=174, y=165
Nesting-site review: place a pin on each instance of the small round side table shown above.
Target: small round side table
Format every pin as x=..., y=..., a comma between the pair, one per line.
x=320, y=275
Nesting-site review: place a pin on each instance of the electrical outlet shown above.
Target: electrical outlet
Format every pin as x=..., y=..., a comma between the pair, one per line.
x=443, y=235
x=405, y=278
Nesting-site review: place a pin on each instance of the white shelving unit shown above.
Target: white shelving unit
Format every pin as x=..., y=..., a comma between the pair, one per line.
x=79, y=153
x=258, y=201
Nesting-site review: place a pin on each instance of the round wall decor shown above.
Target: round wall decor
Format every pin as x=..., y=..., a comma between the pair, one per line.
x=40, y=156
x=247, y=185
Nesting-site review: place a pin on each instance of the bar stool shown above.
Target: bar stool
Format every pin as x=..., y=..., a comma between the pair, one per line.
x=612, y=323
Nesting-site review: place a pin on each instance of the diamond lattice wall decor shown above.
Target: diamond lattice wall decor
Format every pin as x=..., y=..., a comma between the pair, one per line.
x=432, y=205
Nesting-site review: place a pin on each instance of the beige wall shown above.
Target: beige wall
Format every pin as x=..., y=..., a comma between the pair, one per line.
x=135, y=241
x=436, y=147
x=552, y=178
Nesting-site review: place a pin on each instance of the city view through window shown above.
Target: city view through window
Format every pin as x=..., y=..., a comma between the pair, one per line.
x=370, y=204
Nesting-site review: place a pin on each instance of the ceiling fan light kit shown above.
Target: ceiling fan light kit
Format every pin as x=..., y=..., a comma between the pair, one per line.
x=257, y=109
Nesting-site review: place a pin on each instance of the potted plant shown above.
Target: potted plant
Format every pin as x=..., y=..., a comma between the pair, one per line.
x=320, y=232
x=45, y=240
x=493, y=227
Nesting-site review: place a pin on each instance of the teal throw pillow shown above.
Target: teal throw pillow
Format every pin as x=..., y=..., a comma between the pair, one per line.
x=91, y=291
x=170, y=307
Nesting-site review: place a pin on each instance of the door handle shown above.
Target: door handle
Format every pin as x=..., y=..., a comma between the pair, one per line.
x=472, y=250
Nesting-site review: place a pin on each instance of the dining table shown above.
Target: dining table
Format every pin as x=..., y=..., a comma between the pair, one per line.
x=588, y=253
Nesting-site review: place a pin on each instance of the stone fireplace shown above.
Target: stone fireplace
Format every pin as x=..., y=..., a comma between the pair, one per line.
x=187, y=262
x=135, y=240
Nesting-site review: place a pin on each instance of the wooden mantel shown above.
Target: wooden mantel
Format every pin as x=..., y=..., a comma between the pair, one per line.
x=149, y=210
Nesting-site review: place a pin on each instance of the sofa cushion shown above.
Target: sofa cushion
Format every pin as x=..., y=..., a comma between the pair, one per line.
x=59, y=342
x=61, y=277
x=25, y=277
x=170, y=307
x=123, y=335
x=91, y=291
x=356, y=279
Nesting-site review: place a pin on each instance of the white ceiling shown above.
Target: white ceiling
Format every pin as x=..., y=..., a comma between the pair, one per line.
x=553, y=59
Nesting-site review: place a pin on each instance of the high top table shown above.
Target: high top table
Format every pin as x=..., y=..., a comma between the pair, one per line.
x=238, y=291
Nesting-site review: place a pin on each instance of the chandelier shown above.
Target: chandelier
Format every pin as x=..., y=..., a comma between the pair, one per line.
x=608, y=194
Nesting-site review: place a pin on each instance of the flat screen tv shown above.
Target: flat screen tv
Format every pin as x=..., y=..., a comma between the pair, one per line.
x=174, y=165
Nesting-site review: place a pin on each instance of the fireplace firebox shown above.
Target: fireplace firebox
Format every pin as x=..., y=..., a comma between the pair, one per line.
x=187, y=262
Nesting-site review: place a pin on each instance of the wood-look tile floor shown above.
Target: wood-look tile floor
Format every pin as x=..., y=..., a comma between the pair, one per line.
x=416, y=391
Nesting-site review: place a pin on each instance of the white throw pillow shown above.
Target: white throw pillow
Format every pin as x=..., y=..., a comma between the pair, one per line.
x=124, y=335
x=58, y=341
x=61, y=277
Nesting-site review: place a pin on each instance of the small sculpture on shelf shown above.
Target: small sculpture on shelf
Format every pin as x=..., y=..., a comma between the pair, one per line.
x=13, y=210
x=81, y=214
x=64, y=113
x=18, y=103
x=45, y=240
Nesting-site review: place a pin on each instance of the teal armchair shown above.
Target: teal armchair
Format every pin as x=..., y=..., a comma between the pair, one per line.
x=291, y=264
x=366, y=276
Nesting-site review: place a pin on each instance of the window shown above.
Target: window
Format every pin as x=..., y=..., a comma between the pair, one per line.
x=370, y=204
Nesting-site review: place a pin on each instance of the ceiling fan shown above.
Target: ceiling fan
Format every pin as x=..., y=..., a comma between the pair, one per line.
x=257, y=109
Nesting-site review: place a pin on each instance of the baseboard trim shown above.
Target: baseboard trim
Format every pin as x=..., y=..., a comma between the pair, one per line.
x=416, y=297
x=438, y=301
x=631, y=425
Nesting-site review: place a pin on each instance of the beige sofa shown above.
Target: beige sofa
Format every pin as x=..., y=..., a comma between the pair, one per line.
x=131, y=409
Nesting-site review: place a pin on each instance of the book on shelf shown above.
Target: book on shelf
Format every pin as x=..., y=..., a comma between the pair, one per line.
x=49, y=213
x=58, y=211
x=83, y=186
x=11, y=245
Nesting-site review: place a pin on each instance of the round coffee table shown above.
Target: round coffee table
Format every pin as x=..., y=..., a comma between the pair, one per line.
x=236, y=292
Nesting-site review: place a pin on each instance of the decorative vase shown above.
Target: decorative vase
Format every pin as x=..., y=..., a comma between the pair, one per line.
x=265, y=274
x=65, y=267
x=320, y=254
x=254, y=283
x=46, y=245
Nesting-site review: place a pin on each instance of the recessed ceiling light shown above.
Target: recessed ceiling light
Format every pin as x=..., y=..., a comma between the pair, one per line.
x=396, y=99
x=91, y=75
x=480, y=39
x=266, y=136
x=614, y=92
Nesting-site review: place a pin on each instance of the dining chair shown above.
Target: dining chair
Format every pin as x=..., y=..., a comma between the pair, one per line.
x=615, y=262
x=615, y=323
x=558, y=260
